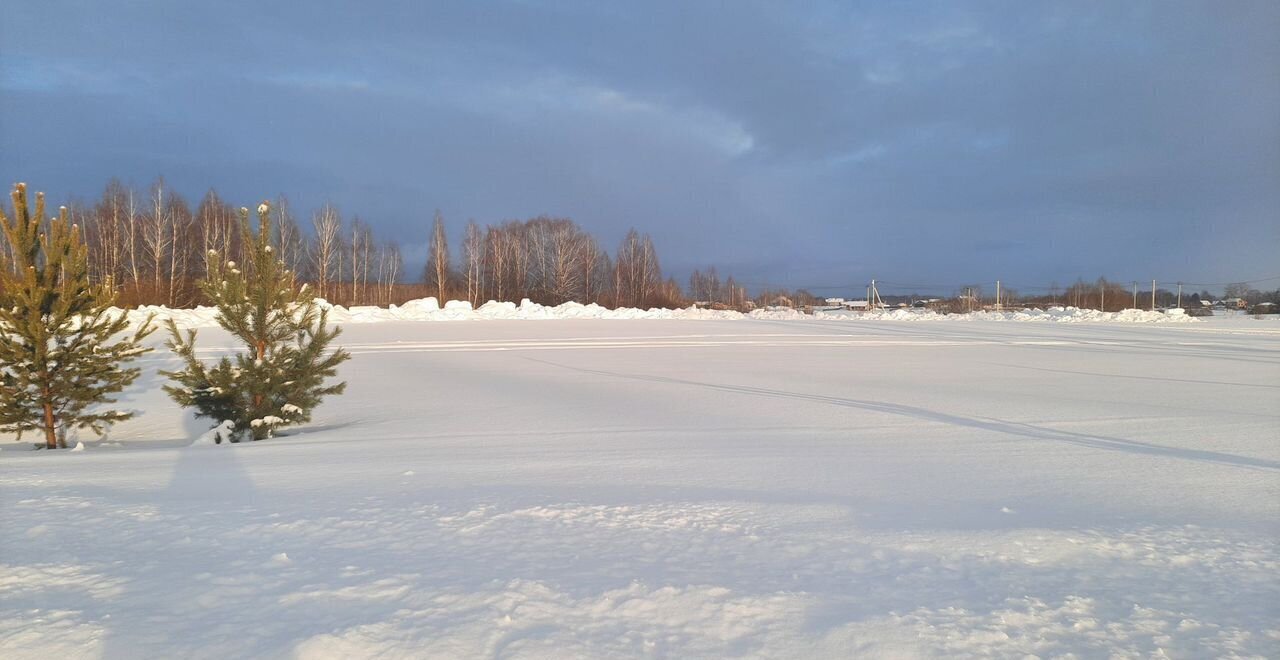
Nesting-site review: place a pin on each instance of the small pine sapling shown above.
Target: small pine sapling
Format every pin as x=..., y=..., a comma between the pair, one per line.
x=59, y=359
x=281, y=377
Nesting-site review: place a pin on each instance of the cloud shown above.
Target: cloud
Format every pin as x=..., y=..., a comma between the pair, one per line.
x=314, y=81
x=1111, y=137
x=21, y=73
x=539, y=98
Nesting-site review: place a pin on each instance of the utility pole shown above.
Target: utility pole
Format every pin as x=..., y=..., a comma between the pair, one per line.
x=1102, y=297
x=1179, y=295
x=998, y=295
x=1153, y=295
x=1135, y=294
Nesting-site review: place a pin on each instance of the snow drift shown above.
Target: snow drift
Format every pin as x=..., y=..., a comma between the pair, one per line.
x=429, y=309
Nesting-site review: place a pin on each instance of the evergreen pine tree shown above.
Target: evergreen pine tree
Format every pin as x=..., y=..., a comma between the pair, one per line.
x=58, y=360
x=280, y=378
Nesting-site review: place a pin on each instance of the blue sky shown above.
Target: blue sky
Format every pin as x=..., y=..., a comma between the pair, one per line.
x=796, y=144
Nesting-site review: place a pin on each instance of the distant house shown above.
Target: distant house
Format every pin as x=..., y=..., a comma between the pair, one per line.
x=855, y=305
x=1265, y=308
x=835, y=301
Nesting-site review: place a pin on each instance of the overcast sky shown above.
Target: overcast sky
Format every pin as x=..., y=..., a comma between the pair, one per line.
x=797, y=144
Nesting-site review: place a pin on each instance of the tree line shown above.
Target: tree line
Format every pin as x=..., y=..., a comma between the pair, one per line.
x=549, y=261
x=1113, y=296
x=153, y=246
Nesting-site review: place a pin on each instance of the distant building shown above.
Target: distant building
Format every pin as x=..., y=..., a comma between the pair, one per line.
x=855, y=305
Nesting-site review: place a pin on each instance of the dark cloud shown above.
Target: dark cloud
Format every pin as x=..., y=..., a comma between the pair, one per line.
x=816, y=144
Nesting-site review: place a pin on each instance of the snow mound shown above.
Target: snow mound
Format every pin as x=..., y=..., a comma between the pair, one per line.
x=199, y=317
x=784, y=314
x=223, y=432
x=429, y=309
x=1076, y=315
x=1052, y=314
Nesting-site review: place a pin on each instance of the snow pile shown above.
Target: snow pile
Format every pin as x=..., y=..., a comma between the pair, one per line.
x=1052, y=314
x=223, y=432
x=199, y=317
x=429, y=309
x=780, y=314
x=897, y=314
x=1076, y=315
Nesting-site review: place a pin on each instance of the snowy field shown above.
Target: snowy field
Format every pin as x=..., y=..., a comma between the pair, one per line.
x=684, y=488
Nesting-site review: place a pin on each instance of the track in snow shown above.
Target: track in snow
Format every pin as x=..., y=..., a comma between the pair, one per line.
x=676, y=488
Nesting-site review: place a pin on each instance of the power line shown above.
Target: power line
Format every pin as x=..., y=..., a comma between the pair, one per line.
x=906, y=287
x=1265, y=279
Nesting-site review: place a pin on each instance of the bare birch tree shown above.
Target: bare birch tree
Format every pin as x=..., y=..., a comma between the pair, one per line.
x=157, y=238
x=293, y=244
x=473, y=255
x=361, y=253
x=326, y=249
x=437, y=270
x=637, y=273
x=390, y=262
x=218, y=231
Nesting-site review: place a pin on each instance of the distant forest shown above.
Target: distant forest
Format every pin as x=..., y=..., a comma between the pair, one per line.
x=153, y=246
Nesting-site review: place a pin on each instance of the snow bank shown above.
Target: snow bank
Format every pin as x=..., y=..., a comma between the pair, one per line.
x=784, y=314
x=1052, y=314
x=1076, y=315
x=429, y=309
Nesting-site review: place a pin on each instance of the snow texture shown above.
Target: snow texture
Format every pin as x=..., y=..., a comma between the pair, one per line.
x=758, y=487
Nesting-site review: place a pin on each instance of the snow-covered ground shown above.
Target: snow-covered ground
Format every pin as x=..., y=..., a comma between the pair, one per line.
x=683, y=488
